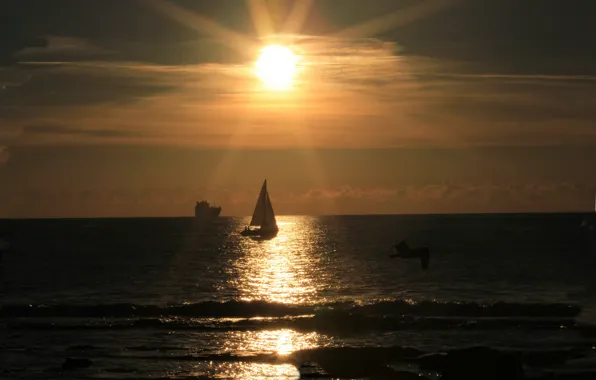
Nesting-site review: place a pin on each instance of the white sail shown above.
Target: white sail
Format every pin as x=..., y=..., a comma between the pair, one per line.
x=269, y=221
x=263, y=215
x=258, y=214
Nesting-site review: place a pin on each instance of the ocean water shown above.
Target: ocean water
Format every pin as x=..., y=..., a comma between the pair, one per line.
x=170, y=298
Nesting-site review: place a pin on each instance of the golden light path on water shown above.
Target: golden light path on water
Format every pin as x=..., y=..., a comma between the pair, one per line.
x=281, y=342
x=252, y=371
x=286, y=269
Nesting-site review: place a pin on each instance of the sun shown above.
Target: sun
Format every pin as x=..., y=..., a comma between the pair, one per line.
x=276, y=67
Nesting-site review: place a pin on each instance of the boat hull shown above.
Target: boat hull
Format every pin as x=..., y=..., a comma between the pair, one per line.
x=259, y=232
x=208, y=214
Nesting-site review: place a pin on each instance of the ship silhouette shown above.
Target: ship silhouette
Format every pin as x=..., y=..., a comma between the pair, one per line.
x=204, y=211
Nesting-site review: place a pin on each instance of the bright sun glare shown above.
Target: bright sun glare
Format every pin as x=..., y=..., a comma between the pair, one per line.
x=276, y=67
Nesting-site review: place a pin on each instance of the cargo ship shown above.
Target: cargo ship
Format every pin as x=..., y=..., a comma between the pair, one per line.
x=204, y=211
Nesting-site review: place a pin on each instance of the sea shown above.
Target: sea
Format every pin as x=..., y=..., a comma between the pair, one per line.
x=172, y=298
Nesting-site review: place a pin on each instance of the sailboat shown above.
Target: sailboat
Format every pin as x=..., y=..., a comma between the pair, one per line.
x=263, y=217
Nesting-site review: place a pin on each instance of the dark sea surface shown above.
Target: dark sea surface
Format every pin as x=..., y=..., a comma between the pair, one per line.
x=171, y=298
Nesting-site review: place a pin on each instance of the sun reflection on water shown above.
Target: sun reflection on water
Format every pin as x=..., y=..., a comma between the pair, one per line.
x=286, y=269
x=243, y=370
x=279, y=342
x=283, y=269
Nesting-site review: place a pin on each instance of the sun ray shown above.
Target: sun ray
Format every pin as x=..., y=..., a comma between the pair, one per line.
x=395, y=19
x=195, y=21
x=266, y=25
x=261, y=17
x=297, y=17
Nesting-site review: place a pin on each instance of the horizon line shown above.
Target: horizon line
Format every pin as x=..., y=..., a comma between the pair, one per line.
x=313, y=215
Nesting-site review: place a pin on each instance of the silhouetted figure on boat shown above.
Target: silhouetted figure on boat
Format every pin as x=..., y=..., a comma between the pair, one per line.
x=402, y=250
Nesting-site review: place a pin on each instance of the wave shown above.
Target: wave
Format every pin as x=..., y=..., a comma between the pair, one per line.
x=340, y=361
x=350, y=361
x=247, y=309
x=550, y=356
x=346, y=324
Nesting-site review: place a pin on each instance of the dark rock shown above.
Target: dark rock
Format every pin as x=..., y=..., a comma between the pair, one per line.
x=82, y=347
x=70, y=363
x=119, y=370
x=355, y=362
x=432, y=362
x=383, y=373
x=482, y=363
x=405, y=375
x=536, y=373
x=549, y=358
x=591, y=375
x=310, y=370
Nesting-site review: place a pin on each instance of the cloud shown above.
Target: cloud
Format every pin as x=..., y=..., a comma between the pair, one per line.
x=61, y=49
x=512, y=36
x=350, y=93
x=69, y=131
x=470, y=31
x=449, y=197
x=64, y=85
x=348, y=192
x=13, y=44
x=455, y=197
x=141, y=180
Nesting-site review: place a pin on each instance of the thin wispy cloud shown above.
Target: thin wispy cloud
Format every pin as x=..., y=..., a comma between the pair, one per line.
x=394, y=100
x=63, y=48
x=432, y=198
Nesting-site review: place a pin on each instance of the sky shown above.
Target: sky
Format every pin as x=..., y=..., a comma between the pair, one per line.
x=122, y=108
